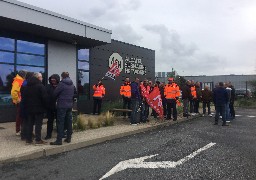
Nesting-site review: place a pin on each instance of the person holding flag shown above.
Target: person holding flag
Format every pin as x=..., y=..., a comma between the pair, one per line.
x=172, y=93
x=144, y=90
x=99, y=93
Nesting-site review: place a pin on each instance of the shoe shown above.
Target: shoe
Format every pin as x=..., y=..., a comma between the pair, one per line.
x=175, y=119
x=135, y=124
x=215, y=124
x=64, y=136
x=29, y=142
x=210, y=115
x=220, y=117
x=41, y=142
x=47, y=137
x=228, y=121
x=18, y=133
x=67, y=140
x=55, y=143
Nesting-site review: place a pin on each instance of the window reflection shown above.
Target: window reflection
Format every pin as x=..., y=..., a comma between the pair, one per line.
x=83, y=54
x=83, y=87
x=30, y=47
x=6, y=57
x=6, y=44
x=6, y=77
x=30, y=59
x=83, y=65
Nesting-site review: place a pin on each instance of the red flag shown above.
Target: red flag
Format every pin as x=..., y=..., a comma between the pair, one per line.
x=155, y=101
x=113, y=72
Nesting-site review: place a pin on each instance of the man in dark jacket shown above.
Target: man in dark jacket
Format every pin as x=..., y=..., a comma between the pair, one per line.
x=51, y=111
x=206, y=99
x=135, y=101
x=198, y=97
x=64, y=93
x=220, y=98
x=186, y=97
x=232, y=100
x=35, y=101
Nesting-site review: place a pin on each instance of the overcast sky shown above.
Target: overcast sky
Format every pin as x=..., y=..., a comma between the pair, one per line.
x=195, y=37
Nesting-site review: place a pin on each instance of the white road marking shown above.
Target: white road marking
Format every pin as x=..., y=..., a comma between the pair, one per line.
x=251, y=116
x=139, y=162
x=238, y=115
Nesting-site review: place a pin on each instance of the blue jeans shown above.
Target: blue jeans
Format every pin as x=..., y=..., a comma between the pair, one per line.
x=144, y=111
x=135, y=103
x=220, y=109
x=227, y=111
x=64, y=115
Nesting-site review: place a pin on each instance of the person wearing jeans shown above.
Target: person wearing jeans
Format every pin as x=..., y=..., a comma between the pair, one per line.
x=64, y=93
x=220, y=99
x=135, y=101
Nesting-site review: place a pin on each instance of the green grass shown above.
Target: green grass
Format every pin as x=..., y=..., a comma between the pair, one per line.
x=245, y=102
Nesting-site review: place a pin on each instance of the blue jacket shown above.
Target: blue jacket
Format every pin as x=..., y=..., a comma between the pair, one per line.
x=135, y=90
x=220, y=96
x=64, y=93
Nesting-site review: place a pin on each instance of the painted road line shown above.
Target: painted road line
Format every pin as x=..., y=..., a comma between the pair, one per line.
x=139, y=162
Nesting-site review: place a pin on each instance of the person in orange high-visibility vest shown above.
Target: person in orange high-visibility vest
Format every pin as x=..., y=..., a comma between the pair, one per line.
x=16, y=97
x=99, y=93
x=125, y=92
x=171, y=93
x=193, y=95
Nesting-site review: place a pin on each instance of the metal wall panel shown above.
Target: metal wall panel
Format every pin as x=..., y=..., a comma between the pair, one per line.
x=99, y=65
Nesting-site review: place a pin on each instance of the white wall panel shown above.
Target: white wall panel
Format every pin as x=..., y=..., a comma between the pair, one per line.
x=62, y=57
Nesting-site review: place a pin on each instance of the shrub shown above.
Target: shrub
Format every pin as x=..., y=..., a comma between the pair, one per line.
x=108, y=105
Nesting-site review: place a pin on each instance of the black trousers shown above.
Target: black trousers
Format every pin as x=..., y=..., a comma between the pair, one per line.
x=232, y=110
x=51, y=115
x=164, y=106
x=171, y=108
x=208, y=107
x=126, y=104
x=192, y=106
x=196, y=106
x=97, y=105
x=37, y=119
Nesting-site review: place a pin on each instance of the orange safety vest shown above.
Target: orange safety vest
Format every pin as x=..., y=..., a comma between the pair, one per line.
x=171, y=91
x=99, y=91
x=125, y=90
x=193, y=91
x=144, y=91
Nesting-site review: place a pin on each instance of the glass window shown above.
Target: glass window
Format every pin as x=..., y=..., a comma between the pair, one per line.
x=6, y=44
x=83, y=65
x=83, y=54
x=30, y=47
x=30, y=59
x=6, y=77
x=6, y=57
x=83, y=87
x=31, y=69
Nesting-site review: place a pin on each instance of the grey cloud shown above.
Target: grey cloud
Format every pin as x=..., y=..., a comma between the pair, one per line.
x=170, y=40
x=126, y=33
x=185, y=58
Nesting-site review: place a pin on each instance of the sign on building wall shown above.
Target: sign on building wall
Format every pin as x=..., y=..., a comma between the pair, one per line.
x=131, y=65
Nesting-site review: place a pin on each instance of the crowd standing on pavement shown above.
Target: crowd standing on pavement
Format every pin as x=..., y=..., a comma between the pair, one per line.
x=33, y=100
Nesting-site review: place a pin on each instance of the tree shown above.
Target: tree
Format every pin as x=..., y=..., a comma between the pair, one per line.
x=253, y=84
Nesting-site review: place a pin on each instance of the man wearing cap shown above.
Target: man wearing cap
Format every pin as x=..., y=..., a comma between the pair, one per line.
x=171, y=93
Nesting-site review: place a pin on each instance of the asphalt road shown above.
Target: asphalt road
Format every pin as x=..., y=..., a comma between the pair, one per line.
x=232, y=157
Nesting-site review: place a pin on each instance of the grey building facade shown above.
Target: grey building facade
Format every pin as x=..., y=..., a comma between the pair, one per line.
x=39, y=40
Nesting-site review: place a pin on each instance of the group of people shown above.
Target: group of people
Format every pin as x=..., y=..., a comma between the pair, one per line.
x=222, y=96
x=33, y=100
x=135, y=95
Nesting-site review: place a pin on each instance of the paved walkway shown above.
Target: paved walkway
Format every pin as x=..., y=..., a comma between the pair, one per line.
x=13, y=149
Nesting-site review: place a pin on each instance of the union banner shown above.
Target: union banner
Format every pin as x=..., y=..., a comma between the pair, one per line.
x=155, y=101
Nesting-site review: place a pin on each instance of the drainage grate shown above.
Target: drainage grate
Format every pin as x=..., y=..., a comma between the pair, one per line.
x=1, y=128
